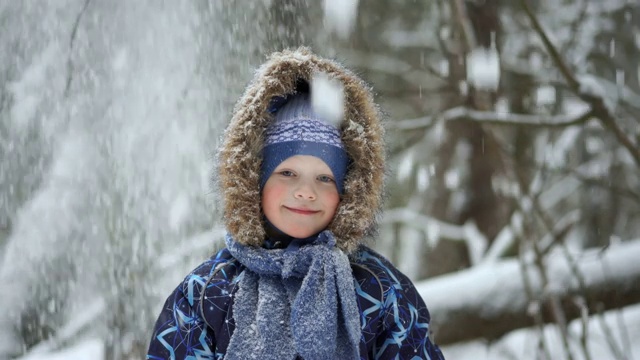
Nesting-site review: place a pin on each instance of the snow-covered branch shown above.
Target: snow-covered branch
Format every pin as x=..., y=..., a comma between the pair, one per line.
x=434, y=228
x=601, y=181
x=603, y=110
x=585, y=89
x=494, y=118
x=601, y=87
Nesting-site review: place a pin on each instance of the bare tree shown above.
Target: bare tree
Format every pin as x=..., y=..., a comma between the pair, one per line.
x=541, y=161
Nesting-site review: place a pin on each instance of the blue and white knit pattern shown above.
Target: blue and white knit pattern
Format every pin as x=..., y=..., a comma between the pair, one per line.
x=297, y=121
x=303, y=130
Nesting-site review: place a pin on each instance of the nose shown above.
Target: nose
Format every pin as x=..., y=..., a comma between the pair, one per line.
x=305, y=191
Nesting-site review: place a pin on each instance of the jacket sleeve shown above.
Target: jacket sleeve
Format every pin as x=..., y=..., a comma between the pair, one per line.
x=405, y=329
x=180, y=332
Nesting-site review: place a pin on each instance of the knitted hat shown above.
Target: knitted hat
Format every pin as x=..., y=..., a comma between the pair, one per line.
x=298, y=130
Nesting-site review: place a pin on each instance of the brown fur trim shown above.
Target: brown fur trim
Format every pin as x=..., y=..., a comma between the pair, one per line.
x=362, y=135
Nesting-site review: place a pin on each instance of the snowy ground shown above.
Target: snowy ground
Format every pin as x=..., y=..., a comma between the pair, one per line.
x=611, y=337
x=90, y=349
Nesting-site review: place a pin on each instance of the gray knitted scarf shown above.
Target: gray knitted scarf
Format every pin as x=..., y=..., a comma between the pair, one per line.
x=297, y=301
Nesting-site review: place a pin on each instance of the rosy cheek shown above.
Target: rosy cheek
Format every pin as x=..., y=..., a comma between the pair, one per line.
x=279, y=191
x=332, y=199
x=273, y=193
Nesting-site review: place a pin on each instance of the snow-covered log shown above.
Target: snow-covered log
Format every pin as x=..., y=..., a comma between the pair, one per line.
x=612, y=333
x=490, y=301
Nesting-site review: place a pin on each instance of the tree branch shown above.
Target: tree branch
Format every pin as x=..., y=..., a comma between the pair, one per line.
x=425, y=223
x=494, y=118
x=575, y=25
x=72, y=40
x=439, y=26
x=464, y=26
x=555, y=55
x=596, y=101
x=602, y=183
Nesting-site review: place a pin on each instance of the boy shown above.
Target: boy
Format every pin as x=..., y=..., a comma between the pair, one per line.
x=301, y=195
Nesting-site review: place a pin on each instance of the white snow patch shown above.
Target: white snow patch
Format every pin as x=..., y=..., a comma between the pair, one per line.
x=327, y=98
x=422, y=178
x=120, y=60
x=452, y=179
x=479, y=285
x=410, y=251
x=433, y=233
x=483, y=68
x=28, y=92
x=594, y=144
x=545, y=95
x=594, y=86
x=559, y=152
x=443, y=66
x=502, y=105
x=120, y=64
x=591, y=86
x=463, y=86
x=405, y=167
x=612, y=48
x=574, y=107
x=432, y=169
x=388, y=64
x=504, y=240
x=476, y=242
x=24, y=110
x=340, y=16
x=396, y=35
x=433, y=228
x=92, y=349
x=535, y=61
x=180, y=212
x=10, y=343
x=620, y=75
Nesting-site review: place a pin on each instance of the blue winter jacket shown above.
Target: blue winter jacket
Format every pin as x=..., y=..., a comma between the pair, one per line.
x=196, y=321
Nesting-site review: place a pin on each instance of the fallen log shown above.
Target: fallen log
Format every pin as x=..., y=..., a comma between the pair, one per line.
x=490, y=300
x=609, y=336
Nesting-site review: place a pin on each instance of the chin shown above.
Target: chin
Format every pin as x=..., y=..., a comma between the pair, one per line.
x=299, y=234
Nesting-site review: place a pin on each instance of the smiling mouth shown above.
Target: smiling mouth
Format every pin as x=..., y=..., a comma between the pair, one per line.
x=302, y=211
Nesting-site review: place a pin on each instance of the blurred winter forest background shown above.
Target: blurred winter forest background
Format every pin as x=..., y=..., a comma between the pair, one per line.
x=514, y=187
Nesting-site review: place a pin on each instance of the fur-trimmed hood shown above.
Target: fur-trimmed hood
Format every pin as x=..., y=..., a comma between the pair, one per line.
x=362, y=134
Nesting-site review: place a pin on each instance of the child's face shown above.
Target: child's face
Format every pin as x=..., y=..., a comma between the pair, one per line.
x=300, y=197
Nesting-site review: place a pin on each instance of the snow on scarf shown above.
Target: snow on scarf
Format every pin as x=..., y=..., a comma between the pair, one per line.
x=297, y=301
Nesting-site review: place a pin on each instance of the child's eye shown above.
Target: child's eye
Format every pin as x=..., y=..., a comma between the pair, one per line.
x=325, y=178
x=286, y=173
